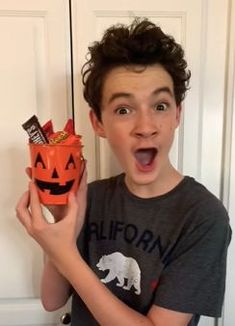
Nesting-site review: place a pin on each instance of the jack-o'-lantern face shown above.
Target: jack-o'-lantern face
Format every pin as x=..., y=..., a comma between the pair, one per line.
x=55, y=170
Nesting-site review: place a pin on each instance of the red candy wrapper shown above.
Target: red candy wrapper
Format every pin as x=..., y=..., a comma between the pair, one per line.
x=69, y=127
x=48, y=128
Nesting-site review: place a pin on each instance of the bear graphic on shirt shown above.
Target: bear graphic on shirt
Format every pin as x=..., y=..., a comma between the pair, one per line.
x=121, y=267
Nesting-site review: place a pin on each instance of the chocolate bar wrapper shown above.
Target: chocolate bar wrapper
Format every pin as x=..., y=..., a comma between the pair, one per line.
x=35, y=131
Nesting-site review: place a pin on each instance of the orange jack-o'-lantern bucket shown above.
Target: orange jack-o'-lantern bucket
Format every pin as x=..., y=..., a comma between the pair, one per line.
x=56, y=171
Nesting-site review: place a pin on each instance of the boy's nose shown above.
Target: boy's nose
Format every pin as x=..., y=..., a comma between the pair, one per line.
x=145, y=126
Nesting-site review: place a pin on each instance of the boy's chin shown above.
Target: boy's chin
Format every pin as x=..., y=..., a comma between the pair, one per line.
x=141, y=179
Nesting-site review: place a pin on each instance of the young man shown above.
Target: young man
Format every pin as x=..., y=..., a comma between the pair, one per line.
x=152, y=243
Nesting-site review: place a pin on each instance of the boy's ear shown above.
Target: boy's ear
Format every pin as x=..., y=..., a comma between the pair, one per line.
x=97, y=125
x=178, y=114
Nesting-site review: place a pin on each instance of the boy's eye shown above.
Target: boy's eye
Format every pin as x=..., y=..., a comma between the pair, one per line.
x=123, y=110
x=161, y=107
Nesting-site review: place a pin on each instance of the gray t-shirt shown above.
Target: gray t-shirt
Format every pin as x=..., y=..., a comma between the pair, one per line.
x=168, y=250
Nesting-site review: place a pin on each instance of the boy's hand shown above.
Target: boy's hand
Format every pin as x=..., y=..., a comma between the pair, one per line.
x=57, y=237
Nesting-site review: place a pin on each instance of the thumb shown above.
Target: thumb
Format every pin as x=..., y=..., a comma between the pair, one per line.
x=82, y=188
x=72, y=205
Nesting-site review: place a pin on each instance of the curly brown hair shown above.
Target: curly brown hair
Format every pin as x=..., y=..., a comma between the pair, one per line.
x=141, y=43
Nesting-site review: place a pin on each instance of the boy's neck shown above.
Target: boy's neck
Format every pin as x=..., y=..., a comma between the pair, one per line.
x=163, y=185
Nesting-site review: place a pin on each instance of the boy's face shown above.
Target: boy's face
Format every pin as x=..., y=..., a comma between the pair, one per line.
x=139, y=118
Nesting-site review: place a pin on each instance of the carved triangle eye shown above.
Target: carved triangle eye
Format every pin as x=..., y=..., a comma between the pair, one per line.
x=39, y=160
x=70, y=164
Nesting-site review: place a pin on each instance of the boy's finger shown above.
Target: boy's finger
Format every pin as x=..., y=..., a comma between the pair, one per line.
x=82, y=189
x=22, y=211
x=83, y=168
x=72, y=205
x=28, y=171
x=35, y=206
x=81, y=195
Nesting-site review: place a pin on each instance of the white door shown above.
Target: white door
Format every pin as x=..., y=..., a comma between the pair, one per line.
x=201, y=27
x=229, y=313
x=34, y=64
x=35, y=79
x=229, y=173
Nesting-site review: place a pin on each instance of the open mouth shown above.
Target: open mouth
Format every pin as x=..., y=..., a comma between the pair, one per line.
x=54, y=187
x=145, y=156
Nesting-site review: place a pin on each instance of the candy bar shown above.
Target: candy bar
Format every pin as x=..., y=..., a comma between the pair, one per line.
x=35, y=131
x=58, y=137
x=65, y=137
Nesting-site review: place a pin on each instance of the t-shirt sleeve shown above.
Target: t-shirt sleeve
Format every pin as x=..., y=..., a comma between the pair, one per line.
x=193, y=279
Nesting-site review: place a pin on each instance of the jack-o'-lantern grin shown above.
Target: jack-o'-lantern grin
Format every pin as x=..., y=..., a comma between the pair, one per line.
x=54, y=187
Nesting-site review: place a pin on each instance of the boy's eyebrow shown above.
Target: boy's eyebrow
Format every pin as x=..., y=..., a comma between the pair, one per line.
x=157, y=91
x=119, y=94
x=164, y=89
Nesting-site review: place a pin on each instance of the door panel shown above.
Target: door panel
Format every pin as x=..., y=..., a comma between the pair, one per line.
x=229, y=173
x=34, y=64
x=194, y=24
x=35, y=79
x=198, y=148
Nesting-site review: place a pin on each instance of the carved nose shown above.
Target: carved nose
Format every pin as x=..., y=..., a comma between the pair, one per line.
x=54, y=174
